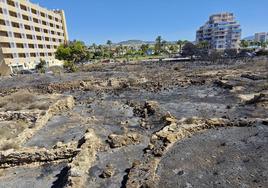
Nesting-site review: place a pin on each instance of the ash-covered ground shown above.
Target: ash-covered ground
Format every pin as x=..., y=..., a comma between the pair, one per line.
x=185, y=124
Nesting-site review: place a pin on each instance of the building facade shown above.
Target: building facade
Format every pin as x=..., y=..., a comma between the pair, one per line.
x=29, y=33
x=221, y=32
x=261, y=37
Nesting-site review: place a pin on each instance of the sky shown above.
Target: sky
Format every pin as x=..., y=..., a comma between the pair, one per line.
x=96, y=21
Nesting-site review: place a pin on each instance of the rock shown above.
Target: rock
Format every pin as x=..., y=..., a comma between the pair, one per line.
x=151, y=107
x=108, y=171
x=116, y=141
x=169, y=119
x=223, y=84
x=257, y=98
x=252, y=77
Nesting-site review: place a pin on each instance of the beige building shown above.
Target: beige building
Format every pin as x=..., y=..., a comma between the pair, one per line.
x=29, y=33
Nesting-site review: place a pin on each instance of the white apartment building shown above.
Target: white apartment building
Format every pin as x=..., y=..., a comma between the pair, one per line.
x=261, y=37
x=222, y=31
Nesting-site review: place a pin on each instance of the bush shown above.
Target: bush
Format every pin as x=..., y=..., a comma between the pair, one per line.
x=189, y=49
x=41, y=67
x=70, y=66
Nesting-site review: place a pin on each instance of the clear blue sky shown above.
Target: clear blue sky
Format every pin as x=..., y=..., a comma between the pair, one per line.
x=96, y=21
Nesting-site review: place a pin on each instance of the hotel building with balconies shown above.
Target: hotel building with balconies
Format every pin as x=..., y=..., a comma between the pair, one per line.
x=222, y=31
x=29, y=32
x=261, y=37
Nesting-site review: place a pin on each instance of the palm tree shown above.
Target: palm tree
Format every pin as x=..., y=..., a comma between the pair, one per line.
x=109, y=43
x=158, y=44
x=94, y=46
x=181, y=43
x=203, y=44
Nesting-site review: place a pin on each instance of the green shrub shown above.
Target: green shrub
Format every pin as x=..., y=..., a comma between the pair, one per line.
x=70, y=66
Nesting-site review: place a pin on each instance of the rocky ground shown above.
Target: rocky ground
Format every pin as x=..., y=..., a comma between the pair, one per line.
x=192, y=124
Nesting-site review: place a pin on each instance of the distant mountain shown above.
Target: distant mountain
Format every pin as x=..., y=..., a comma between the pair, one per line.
x=249, y=38
x=134, y=42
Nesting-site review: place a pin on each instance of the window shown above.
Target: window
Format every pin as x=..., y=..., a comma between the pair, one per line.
x=8, y=56
x=37, y=29
x=5, y=45
x=40, y=46
x=17, y=35
x=20, y=45
x=44, y=23
x=2, y=22
x=22, y=55
x=23, y=7
x=16, y=25
x=27, y=27
x=25, y=17
x=3, y=34
x=35, y=20
x=13, y=14
x=11, y=3
x=33, y=54
x=42, y=14
x=31, y=46
x=29, y=36
x=34, y=11
x=38, y=37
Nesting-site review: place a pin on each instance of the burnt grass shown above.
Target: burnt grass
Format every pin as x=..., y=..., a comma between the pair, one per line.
x=133, y=98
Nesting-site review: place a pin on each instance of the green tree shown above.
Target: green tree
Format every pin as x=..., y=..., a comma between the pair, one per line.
x=244, y=44
x=189, y=49
x=173, y=49
x=74, y=52
x=144, y=48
